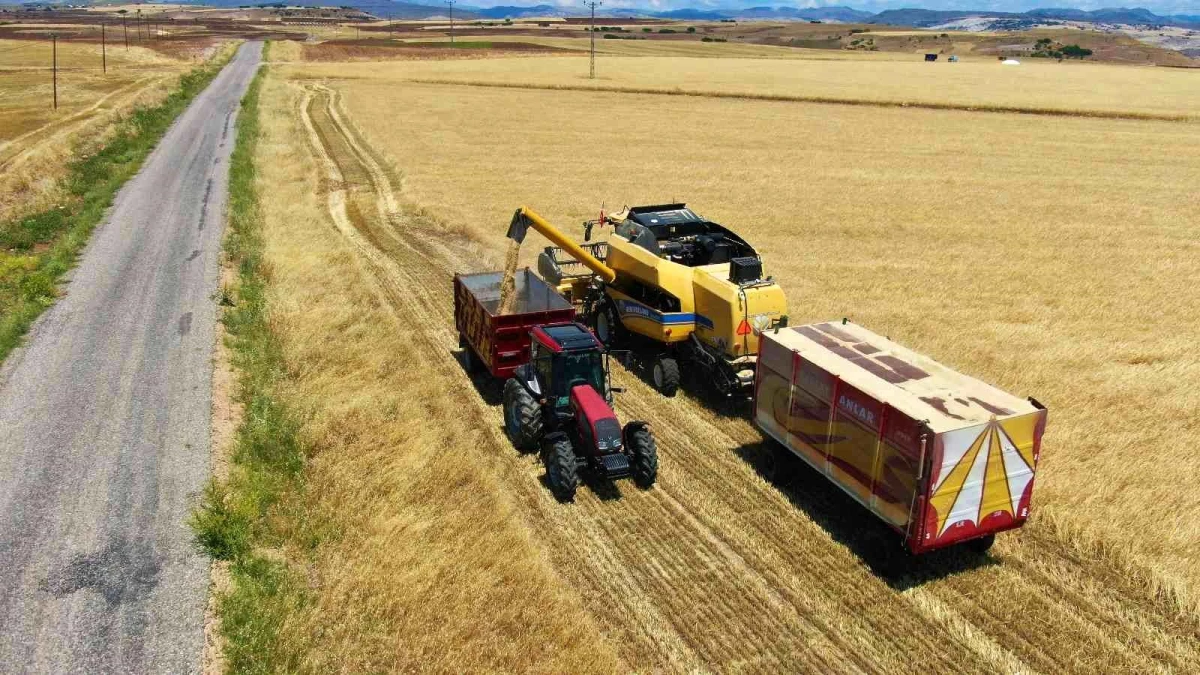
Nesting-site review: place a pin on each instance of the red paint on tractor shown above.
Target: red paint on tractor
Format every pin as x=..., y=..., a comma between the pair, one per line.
x=545, y=340
x=590, y=405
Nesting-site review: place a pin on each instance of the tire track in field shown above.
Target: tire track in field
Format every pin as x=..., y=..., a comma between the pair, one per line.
x=18, y=151
x=714, y=567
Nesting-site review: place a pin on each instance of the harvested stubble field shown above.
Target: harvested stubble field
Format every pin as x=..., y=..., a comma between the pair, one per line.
x=1046, y=254
x=36, y=140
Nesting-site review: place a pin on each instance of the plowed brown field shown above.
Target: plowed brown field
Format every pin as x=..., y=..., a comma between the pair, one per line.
x=728, y=563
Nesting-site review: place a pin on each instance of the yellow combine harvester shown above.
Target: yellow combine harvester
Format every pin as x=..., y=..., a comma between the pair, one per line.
x=689, y=288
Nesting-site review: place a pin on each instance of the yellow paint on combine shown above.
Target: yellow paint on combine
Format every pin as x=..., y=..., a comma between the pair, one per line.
x=558, y=238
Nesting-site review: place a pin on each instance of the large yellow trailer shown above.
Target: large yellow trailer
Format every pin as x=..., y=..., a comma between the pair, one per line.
x=686, y=287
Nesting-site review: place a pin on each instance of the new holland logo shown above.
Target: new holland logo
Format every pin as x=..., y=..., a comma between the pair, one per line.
x=627, y=307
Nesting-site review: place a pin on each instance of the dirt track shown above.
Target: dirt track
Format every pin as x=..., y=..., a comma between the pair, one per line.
x=718, y=567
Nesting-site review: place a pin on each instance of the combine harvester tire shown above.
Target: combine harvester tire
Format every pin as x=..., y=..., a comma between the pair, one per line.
x=666, y=375
x=607, y=324
x=522, y=417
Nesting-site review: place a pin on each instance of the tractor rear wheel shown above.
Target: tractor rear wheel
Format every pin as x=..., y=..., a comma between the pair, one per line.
x=666, y=375
x=645, y=455
x=561, y=468
x=522, y=416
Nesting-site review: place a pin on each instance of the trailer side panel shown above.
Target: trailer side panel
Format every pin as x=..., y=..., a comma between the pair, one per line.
x=865, y=447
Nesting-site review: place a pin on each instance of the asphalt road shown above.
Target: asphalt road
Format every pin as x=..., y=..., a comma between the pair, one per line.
x=105, y=422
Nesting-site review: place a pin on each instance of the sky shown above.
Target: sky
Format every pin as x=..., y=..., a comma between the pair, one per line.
x=1156, y=6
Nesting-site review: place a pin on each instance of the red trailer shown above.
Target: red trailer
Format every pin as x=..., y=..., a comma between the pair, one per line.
x=941, y=457
x=500, y=342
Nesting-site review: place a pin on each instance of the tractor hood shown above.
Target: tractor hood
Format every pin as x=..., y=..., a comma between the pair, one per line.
x=593, y=413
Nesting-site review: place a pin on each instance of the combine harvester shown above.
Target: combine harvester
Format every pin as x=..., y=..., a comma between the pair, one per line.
x=670, y=282
x=941, y=457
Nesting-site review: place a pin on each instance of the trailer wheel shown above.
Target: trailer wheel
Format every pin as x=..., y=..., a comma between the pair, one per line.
x=469, y=360
x=607, y=323
x=666, y=375
x=640, y=442
x=522, y=416
x=561, y=468
x=982, y=544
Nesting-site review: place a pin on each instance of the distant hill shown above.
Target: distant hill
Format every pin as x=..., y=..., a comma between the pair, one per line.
x=923, y=18
x=692, y=14
x=517, y=12
x=381, y=8
x=838, y=14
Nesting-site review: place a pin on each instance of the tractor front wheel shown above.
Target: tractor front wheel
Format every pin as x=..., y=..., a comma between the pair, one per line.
x=522, y=416
x=561, y=468
x=666, y=375
x=644, y=450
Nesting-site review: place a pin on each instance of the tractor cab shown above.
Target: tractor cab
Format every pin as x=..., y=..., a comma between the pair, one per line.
x=565, y=356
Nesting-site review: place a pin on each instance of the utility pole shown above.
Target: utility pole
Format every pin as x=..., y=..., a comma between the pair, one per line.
x=103, y=49
x=592, y=74
x=54, y=42
x=125, y=28
x=450, y=3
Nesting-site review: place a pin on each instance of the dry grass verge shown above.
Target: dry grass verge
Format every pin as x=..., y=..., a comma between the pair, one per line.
x=37, y=142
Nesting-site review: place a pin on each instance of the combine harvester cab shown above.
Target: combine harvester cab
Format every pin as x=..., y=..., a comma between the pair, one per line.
x=941, y=457
x=685, y=287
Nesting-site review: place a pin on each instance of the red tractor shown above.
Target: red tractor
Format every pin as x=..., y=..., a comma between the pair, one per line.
x=560, y=401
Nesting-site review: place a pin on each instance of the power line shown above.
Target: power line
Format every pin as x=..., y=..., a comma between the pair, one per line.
x=450, y=3
x=54, y=47
x=592, y=73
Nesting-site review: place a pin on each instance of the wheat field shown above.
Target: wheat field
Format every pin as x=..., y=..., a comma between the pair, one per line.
x=1034, y=86
x=1049, y=255
x=36, y=140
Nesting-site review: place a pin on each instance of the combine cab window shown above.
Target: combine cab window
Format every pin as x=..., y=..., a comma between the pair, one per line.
x=580, y=368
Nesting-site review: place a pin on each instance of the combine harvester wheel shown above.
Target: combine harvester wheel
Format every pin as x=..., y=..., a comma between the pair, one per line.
x=666, y=375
